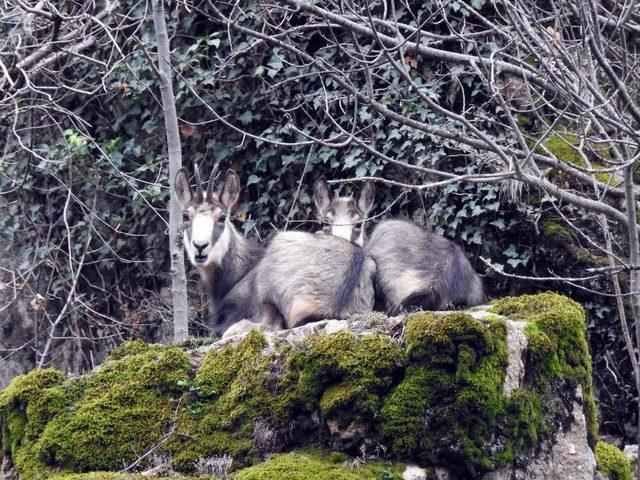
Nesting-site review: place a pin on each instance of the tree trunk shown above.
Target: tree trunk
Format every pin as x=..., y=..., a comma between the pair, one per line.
x=178, y=277
x=634, y=275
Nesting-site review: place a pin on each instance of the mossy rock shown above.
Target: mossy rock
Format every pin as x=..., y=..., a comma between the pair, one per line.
x=450, y=404
x=315, y=465
x=249, y=401
x=558, y=352
x=611, y=462
x=432, y=395
x=117, y=476
x=97, y=476
x=101, y=422
x=556, y=232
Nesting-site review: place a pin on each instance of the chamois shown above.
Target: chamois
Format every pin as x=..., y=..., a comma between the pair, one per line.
x=304, y=277
x=221, y=254
x=418, y=269
x=344, y=216
x=414, y=268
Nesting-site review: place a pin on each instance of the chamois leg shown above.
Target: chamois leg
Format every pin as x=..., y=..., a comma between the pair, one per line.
x=425, y=300
x=303, y=310
x=271, y=317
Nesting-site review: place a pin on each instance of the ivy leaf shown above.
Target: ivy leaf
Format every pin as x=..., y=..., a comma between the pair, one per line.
x=511, y=251
x=246, y=117
x=252, y=179
x=287, y=159
x=361, y=171
x=477, y=210
x=149, y=126
x=514, y=262
x=352, y=159
x=477, y=238
x=214, y=42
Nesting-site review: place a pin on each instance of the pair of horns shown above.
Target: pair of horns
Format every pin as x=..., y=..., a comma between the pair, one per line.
x=212, y=178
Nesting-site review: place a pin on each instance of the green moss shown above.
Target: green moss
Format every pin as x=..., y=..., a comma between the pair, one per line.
x=229, y=394
x=97, y=476
x=404, y=428
x=348, y=374
x=339, y=396
x=129, y=348
x=450, y=403
x=557, y=345
x=101, y=422
x=220, y=368
x=314, y=465
x=341, y=375
x=24, y=388
x=553, y=230
x=338, y=457
x=564, y=146
x=611, y=462
x=436, y=339
x=21, y=420
x=111, y=476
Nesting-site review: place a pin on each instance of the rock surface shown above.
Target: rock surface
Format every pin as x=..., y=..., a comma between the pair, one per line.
x=413, y=472
x=631, y=452
x=568, y=456
x=501, y=391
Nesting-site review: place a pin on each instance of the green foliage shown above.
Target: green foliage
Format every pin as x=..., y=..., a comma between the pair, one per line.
x=120, y=163
x=611, y=462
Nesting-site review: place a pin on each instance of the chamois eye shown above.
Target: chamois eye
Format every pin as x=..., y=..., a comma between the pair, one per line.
x=185, y=216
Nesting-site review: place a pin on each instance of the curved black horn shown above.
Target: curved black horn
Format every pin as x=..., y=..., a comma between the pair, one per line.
x=199, y=192
x=214, y=174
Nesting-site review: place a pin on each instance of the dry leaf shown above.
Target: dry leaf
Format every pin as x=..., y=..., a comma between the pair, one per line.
x=37, y=302
x=188, y=130
x=412, y=61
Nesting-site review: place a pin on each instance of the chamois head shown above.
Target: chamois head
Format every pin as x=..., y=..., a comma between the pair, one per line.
x=344, y=216
x=206, y=237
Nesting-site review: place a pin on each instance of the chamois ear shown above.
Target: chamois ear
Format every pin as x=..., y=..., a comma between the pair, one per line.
x=367, y=196
x=230, y=190
x=321, y=195
x=182, y=187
